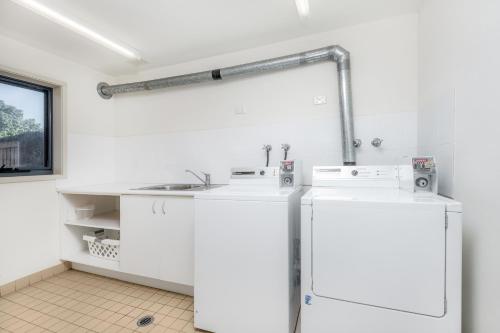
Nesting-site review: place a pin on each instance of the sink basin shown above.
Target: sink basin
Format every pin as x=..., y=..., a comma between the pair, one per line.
x=175, y=187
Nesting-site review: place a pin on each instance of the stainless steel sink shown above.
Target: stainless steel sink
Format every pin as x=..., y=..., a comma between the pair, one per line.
x=175, y=187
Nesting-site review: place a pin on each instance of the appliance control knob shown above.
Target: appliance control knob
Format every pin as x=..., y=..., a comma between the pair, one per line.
x=262, y=172
x=287, y=181
x=422, y=182
x=354, y=172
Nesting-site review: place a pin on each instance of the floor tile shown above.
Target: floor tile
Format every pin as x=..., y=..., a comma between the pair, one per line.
x=78, y=302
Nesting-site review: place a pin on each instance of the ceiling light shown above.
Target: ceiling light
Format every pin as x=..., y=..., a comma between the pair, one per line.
x=77, y=27
x=302, y=7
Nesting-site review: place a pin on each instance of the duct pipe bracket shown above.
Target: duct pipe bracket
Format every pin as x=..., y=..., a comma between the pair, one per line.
x=101, y=85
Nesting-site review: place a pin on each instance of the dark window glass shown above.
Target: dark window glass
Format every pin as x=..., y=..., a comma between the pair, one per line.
x=25, y=128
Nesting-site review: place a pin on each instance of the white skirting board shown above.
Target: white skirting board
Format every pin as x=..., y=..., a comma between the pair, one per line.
x=169, y=286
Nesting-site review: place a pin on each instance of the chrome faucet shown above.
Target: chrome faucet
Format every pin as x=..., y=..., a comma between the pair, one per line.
x=206, y=182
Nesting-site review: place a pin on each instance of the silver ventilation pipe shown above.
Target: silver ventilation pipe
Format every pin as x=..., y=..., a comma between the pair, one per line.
x=330, y=53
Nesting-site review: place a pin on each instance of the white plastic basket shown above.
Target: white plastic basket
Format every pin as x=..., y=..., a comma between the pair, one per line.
x=105, y=248
x=84, y=212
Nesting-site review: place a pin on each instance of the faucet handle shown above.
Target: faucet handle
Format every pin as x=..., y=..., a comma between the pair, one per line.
x=267, y=148
x=207, y=178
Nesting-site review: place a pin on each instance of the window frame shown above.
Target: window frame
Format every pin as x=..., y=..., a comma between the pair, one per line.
x=48, y=111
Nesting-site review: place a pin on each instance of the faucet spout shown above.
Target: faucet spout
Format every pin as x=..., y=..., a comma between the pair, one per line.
x=205, y=181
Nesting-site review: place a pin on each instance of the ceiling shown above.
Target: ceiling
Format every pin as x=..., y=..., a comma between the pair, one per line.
x=166, y=32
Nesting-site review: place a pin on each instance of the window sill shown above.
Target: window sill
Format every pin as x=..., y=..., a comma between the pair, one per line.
x=24, y=179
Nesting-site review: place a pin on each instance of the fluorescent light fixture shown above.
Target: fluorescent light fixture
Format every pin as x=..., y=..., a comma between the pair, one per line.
x=77, y=27
x=302, y=8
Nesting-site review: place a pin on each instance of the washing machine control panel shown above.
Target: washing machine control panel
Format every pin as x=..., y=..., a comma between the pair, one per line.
x=290, y=173
x=254, y=173
x=287, y=175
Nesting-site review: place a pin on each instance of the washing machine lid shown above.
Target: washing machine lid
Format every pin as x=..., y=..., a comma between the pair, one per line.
x=248, y=192
x=379, y=195
x=387, y=254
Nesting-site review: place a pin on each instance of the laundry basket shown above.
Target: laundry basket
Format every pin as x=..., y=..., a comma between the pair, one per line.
x=103, y=248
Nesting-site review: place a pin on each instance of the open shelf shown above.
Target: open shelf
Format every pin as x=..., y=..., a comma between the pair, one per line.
x=106, y=216
x=83, y=257
x=109, y=220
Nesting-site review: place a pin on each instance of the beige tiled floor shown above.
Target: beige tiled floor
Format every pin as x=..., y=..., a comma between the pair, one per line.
x=77, y=302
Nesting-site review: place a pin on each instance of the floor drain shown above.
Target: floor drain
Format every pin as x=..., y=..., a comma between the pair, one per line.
x=145, y=321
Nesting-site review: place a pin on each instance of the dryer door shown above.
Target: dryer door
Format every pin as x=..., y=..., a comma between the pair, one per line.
x=388, y=255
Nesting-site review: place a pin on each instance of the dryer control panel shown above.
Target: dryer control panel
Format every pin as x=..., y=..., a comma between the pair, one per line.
x=387, y=176
x=424, y=174
x=357, y=176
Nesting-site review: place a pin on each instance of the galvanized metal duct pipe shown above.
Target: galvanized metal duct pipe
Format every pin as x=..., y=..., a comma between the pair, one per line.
x=330, y=53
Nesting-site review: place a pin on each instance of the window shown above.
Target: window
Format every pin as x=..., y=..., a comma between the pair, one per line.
x=25, y=128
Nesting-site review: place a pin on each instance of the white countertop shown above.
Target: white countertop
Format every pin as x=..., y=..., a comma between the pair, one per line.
x=116, y=189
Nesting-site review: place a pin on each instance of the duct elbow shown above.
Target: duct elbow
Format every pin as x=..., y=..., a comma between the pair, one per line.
x=341, y=56
x=101, y=93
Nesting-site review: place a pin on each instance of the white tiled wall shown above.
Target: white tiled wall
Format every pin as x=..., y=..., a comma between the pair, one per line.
x=458, y=122
x=91, y=160
x=436, y=134
x=315, y=141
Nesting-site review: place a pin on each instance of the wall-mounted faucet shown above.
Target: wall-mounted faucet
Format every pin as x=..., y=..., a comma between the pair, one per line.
x=377, y=142
x=206, y=182
x=286, y=147
x=267, y=148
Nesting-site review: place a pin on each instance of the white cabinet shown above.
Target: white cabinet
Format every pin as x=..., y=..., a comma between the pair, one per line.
x=157, y=236
x=138, y=241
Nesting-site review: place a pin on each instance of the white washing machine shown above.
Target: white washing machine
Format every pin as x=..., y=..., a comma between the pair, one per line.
x=247, y=269
x=377, y=257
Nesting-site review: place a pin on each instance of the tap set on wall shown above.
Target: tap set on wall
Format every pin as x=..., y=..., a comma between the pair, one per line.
x=376, y=143
x=267, y=148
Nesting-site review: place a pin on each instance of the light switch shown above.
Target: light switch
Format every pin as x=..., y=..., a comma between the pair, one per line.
x=240, y=110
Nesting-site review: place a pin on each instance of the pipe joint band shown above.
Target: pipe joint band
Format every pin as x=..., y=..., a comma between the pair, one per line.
x=216, y=74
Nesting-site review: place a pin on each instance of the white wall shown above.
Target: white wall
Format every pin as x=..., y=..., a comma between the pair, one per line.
x=459, y=93
x=162, y=133
x=156, y=135
x=439, y=69
x=29, y=211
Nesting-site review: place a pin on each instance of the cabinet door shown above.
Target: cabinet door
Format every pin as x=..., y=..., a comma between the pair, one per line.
x=176, y=240
x=139, y=251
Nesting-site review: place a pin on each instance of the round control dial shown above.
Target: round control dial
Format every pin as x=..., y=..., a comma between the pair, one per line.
x=422, y=182
x=288, y=181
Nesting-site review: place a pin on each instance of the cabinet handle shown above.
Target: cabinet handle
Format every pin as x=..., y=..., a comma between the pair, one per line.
x=153, y=207
x=163, y=208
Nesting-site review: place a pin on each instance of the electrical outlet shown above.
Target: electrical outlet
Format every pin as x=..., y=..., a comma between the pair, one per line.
x=319, y=100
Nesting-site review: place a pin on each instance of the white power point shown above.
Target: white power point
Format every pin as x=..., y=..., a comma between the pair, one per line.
x=319, y=100
x=240, y=110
